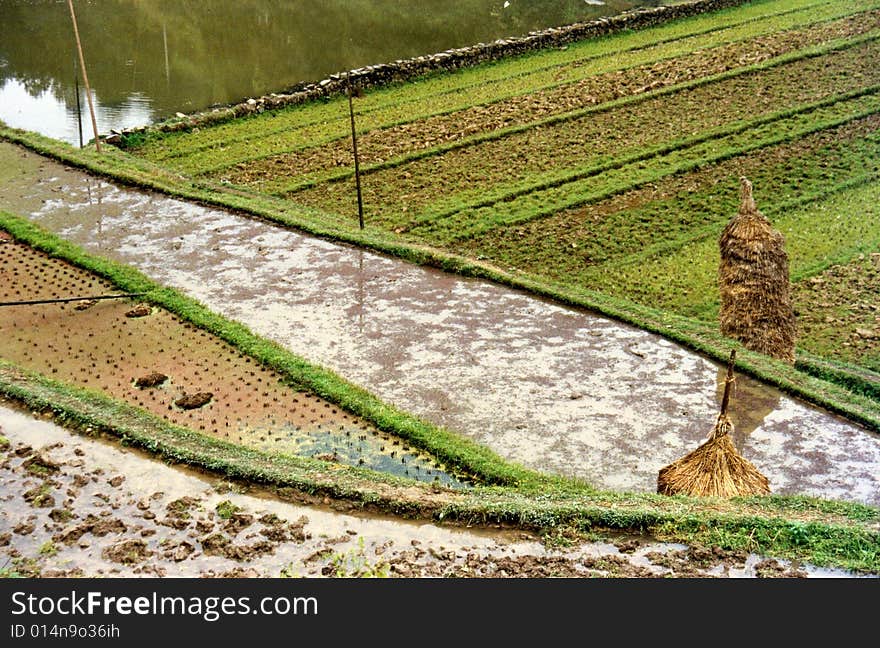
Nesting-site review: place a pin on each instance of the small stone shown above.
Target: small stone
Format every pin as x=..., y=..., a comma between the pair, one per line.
x=141, y=310
x=193, y=401
x=153, y=379
x=83, y=305
x=25, y=528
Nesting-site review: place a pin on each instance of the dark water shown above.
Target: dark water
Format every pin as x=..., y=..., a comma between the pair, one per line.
x=147, y=59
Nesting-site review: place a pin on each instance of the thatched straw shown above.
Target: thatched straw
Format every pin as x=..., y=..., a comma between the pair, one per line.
x=716, y=468
x=753, y=278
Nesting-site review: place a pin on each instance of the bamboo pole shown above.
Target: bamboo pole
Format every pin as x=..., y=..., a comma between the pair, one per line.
x=354, y=146
x=82, y=64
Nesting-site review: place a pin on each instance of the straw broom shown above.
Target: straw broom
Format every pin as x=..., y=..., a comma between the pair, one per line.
x=753, y=278
x=715, y=469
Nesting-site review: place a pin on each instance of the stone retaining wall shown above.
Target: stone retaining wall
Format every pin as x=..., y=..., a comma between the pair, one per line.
x=405, y=69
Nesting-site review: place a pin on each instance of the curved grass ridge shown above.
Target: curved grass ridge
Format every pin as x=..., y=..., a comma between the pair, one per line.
x=453, y=59
x=691, y=23
x=823, y=533
x=314, y=179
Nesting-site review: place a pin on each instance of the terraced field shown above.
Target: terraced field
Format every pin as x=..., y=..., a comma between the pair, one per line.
x=599, y=174
x=609, y=165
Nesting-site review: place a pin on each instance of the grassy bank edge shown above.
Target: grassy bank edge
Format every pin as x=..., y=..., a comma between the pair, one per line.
x=842, y=391
x=825, y=533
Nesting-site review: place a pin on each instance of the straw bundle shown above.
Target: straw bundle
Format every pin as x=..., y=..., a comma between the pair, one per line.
x=753, y=279
x=716, y=468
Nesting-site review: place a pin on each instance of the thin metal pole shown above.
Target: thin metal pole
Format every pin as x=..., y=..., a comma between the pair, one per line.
x=354, y=146
x=69, y=299
x=82, y=64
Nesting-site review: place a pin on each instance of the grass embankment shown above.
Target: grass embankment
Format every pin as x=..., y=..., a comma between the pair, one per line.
x=624, y=194
x=834, y=534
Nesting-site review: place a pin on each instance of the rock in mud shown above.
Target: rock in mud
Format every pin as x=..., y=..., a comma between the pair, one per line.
x=193, y=401
x=23, y=451
x=153, y=379
x=40, y=496
x=92, y=524
x=83, y=305
x=236, y=522
x=127, y=552
x=40, y=465
x=24, y=528
x=141, y=310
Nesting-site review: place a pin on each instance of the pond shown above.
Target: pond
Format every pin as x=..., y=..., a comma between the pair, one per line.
x=145, y=61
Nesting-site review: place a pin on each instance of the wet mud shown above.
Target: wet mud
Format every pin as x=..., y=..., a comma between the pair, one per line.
x=553, y=388
x=153, y=360
x=77, y=506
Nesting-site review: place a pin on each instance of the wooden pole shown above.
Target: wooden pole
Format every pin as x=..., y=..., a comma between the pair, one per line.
x=728, y=382
x=82, y=64
x=354, y=146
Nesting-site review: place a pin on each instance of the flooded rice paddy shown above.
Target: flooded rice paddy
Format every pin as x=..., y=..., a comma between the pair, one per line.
x=553, y=388
x=151, y=359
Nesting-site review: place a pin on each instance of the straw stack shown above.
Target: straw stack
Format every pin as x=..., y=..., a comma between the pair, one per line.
x=716, y=468
x=753, y=279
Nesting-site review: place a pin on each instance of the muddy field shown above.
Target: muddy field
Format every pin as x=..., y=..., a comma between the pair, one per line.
x=609, y=165
x=90, y=507
x=555, y=173
x=538, y=383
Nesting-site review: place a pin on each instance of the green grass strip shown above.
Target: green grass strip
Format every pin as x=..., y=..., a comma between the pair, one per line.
x=816, y=235
x=464, y=456
x=677, y=157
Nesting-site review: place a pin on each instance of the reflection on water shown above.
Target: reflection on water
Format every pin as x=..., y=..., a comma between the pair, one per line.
x=148, y=60
x=750, y=403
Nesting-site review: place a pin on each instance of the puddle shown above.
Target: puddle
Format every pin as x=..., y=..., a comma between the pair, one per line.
x=552, y=388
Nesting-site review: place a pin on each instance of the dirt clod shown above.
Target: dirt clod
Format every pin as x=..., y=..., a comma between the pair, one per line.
x=153, y=379
x=141, y=310
x=127, y=552
x=194, y=401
